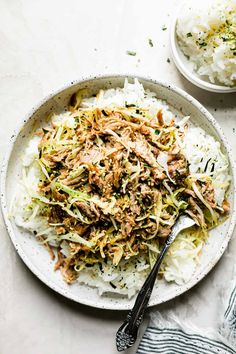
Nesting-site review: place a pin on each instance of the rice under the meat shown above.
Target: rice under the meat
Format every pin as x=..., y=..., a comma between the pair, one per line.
x=127, y=278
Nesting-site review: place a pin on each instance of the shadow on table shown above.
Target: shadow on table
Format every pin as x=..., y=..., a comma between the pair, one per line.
x=210, y=99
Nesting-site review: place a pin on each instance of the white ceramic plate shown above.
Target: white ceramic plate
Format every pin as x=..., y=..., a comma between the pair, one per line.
x=37, y=258
x=184, y=65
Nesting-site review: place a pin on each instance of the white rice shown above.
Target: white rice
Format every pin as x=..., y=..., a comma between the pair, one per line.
x=181, y=261
x=205, y=157
x=131, y=94
x=210, y=48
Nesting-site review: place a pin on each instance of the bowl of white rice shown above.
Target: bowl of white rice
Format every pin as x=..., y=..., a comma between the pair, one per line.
x=203, y=37
x=187, y=263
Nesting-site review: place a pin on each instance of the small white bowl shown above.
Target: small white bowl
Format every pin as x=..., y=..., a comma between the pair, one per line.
x=186, y=68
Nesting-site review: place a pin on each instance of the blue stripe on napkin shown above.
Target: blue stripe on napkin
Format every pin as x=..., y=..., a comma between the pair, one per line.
x=169, y=336
x=174, y=341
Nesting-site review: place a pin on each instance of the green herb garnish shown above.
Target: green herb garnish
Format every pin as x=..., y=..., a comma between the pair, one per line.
x=150, y=42
x=130, y=52
x=129, y=105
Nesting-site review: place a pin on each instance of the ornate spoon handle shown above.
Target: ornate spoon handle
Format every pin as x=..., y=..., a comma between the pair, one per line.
x=127, y=333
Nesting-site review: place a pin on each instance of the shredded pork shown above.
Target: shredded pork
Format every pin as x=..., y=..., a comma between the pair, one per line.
x=116, y=182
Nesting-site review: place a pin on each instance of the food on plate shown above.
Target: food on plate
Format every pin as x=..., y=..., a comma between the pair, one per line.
x=104, y=182
x=207, y=36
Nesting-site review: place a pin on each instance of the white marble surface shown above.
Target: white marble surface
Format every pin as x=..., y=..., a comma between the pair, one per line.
x=43, y=45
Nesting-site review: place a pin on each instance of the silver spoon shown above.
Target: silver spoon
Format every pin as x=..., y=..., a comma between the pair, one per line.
x=127, y=333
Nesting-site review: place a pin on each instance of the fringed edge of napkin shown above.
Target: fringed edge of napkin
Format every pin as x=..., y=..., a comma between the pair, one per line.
x=227, y=328
x=167, y=335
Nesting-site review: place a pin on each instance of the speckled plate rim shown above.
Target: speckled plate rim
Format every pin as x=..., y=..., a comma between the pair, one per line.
x=154, y=300
x=191, y=76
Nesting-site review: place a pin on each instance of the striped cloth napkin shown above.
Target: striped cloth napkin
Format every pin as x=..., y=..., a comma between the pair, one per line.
x=167, y=335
